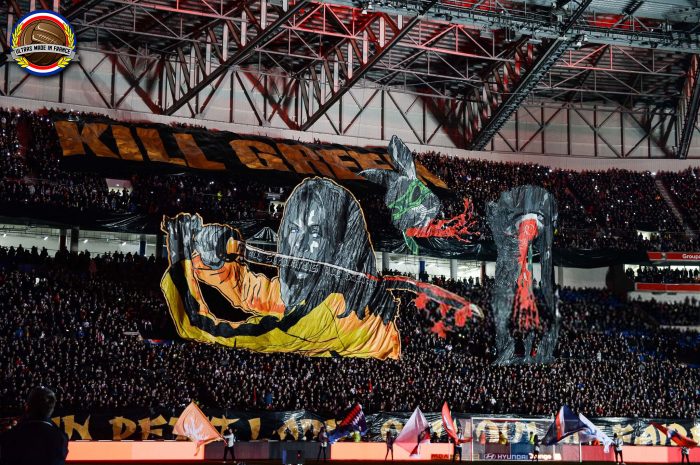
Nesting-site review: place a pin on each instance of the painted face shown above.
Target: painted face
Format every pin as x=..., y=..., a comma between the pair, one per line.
x=305, y=234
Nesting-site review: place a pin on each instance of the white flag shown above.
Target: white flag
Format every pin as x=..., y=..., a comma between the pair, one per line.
x=593, y=433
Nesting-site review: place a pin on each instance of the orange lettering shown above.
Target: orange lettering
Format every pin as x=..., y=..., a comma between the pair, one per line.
x=246, y=152
x=126, y=144
x=72, y=142
x=155, y=150
x=194, y=155
x=427, y=176
x=69, y=138
x=370, y=160
x=339, y=165
x=304, y=160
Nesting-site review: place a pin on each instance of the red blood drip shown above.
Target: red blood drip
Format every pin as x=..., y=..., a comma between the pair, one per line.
x=525, y=314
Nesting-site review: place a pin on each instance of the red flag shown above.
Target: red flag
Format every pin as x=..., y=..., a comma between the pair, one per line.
x=675, y=436
x=196, y=426
x=449, y=425
x=413, y=433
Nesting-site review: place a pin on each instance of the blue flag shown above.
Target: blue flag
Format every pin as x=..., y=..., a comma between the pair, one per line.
x=565, y=424
x=354, y=420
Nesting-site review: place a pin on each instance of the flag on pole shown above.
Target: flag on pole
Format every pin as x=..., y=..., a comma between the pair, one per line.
x=196, y=426
x=675, y=436
x=565, y=424
x=449, y=425
x=354, y=420
x=414, y=432
x=591, y=432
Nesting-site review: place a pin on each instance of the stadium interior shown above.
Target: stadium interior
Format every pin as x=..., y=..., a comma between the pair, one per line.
x=211, y=207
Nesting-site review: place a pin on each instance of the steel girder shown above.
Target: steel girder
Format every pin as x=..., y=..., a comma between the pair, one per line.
x=359, y=73
x=78, y=7
x=526, y=84
x=628, y=30
x=437, y=65
x=528, y=81
x=241, y=55
x=692, y=86
x=462, y=120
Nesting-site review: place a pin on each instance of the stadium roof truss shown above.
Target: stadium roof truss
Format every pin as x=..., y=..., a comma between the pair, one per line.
x=469, y=64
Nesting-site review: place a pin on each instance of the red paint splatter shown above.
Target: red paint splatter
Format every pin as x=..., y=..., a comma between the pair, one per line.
x=421, y=301
x=448, y=302
x=439, y=329
x=457, y=227
x=461, y=316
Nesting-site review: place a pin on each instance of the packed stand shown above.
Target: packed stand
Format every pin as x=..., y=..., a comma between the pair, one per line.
x=31, y=177
x=686, y=313
x=664, y=275
x=81, y=324
x=597, y=209
x=684, y=188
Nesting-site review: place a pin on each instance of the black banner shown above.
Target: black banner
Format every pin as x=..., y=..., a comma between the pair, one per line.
x=158, y=424
x=99, y=143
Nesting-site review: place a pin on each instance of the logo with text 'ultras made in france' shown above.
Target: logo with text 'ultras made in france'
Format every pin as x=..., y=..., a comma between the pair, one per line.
x=43, y=43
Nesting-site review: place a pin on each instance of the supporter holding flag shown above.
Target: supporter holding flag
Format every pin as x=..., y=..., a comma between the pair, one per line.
x=617, y=442
x=413, y=433
x=354, y=420
x=685, y=454
x=565, y=424
x=592, y=433
x=448, y=425
x=196, y=426
x=675, y=436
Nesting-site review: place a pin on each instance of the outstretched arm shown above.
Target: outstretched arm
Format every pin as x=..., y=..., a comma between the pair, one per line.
x=212, y=254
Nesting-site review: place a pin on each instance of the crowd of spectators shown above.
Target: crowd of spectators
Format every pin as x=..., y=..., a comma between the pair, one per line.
x=82, y=325
x=681, y=313
x=685, y=191
x=665, y=274
x=11, y=151
x=597, y=209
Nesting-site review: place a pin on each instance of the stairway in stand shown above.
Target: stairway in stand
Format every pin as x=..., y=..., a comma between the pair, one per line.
x=676, y=212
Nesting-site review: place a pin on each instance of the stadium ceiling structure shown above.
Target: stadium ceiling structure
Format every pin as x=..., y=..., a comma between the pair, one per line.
x=469, y=63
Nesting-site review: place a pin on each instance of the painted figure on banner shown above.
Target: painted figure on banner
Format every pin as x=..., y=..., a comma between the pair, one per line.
x=523, y=221
x=326, y=298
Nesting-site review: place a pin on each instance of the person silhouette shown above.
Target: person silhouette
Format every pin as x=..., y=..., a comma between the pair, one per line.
x=35, y=440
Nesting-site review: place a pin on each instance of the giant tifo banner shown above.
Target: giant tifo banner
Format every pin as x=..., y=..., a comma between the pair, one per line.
x=99, y=140
x=318, y=293
x=135, y=425
x=94, y=143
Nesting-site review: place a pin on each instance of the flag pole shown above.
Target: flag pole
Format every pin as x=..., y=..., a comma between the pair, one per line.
x=580, y=457
x=471, y=425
